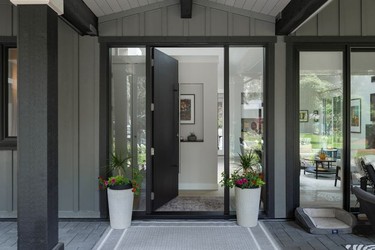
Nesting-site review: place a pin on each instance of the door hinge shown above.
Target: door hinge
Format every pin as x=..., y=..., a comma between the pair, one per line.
x=152, y=196
x=152, y=151
x=152, y=62
x=152, y=107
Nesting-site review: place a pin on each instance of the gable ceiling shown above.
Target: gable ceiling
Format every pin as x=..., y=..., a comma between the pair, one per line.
x=106, y=7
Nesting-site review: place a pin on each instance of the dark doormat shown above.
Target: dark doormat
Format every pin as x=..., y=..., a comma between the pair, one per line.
x=194, y=203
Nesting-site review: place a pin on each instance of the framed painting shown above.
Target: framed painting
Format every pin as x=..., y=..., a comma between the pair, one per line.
x=187, y=109
x=303, y=116
x=372, y=107
x=355, y=115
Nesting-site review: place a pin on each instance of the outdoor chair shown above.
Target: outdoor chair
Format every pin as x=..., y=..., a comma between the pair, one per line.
x=329, y=220
x=367, y=204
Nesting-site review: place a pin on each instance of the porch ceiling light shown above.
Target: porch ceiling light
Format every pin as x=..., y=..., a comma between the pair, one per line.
x=56, y=5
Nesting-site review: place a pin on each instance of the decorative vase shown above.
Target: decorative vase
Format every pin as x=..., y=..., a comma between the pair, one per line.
x=247, y=206
x=120, y=204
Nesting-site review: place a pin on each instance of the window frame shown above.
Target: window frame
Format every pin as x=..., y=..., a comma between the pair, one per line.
x=6, y=142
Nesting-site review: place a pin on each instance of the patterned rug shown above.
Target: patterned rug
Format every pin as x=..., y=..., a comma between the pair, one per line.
x=193, y=203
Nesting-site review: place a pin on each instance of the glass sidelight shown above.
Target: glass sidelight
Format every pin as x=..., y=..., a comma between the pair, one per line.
x=128, y=111
x=362, y=117
x=246, y=83
x=320, y=128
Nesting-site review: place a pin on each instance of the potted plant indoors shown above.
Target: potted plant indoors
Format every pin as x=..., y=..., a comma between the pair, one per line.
x=247, y=181
x=120, y=190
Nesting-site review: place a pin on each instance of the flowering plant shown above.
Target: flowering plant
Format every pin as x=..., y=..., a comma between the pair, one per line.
x=120, y=165
x=247, y=176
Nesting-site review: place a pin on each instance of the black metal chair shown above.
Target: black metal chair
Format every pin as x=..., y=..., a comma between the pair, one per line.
x=367, y=204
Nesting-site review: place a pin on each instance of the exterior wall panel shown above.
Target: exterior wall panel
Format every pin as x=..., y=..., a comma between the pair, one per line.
x=219, y=23
x=6, y=21
x=175, y=24
x=350, y=18
x=342, y=18
x=368, y=18
x=240, y=25
x=108, y=28
x=88, y=124
x=153, y=23
x=197, y=25
x=131, y=25
x=68, y=118
x=6, y=180
x=328, y=20
x=208, y=19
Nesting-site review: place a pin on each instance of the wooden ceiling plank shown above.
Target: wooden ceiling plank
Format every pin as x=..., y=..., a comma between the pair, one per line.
x=279, y=7
x=258, y=6
x=239, y=3
x=249, y=4
x=124, y=4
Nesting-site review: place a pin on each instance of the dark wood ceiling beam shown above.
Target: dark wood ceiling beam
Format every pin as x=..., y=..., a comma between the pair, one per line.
x=295, y=13
x=186, y=8
x=80, y=17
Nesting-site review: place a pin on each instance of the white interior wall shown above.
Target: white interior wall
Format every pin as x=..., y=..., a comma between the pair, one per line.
x=198, y=160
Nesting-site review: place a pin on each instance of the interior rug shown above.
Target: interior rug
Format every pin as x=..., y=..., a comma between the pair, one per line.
x=193, y=203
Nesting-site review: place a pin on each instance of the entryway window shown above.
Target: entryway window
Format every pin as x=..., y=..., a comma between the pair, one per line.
x=246, y=83
x=362, y=118
x=320, y=126
x=128, y=111
x=8, y=96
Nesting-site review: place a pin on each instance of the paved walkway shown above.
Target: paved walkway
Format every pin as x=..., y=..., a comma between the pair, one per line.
x=270, y=234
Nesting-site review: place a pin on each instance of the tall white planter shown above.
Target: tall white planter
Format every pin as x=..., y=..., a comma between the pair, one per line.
x=120, y=203
x=247, y=206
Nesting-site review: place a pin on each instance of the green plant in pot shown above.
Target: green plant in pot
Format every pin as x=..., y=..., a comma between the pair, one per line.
x=121, y=188
x=247, y=181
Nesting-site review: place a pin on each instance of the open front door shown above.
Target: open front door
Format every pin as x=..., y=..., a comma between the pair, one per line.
x=165, y=129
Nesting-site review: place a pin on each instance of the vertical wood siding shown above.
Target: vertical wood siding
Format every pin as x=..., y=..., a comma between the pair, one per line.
x=166, y=21
x=342, y=18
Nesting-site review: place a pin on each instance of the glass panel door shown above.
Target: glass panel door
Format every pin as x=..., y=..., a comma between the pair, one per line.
x=362, y=117
x=128, y=111
x=321, y=120
x=246, y=74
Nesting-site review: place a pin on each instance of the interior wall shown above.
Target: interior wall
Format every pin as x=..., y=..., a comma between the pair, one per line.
x=198, y=160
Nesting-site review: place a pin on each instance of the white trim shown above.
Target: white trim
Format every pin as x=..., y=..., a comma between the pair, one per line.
x=56, y=5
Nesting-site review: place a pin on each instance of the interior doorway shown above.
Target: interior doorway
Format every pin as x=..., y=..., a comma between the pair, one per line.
x=200, y=78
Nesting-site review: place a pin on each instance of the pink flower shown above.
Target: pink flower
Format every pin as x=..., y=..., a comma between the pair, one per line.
x=113, y=181
x=106, y=183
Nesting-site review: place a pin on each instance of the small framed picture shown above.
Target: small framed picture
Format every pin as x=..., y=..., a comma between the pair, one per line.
x=355, y=115
x=187, y=109
x=303, y=116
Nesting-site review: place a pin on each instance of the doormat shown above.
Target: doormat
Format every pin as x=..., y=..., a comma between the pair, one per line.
x=194, y=203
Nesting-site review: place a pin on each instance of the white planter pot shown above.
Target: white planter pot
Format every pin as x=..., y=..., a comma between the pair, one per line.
x=120, y=204
x=247, y=206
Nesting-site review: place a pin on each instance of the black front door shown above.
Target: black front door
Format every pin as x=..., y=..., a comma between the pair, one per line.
x=165, y=128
